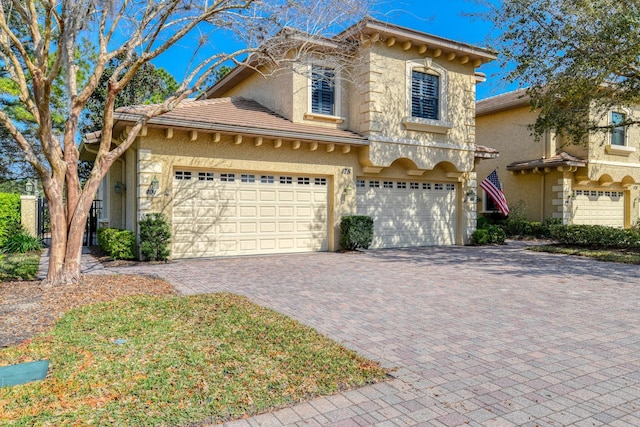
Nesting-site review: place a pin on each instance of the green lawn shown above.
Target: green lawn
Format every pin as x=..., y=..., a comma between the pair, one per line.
x=18, y=266
x=185, y=360
x=612, y=255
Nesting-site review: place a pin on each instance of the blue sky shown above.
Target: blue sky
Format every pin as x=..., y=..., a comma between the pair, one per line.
x=445, y=18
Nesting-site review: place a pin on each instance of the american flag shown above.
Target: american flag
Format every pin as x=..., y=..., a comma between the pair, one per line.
x=492, y=186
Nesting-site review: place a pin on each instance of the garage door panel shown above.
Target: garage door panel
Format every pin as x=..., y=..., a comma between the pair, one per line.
x=409, y=213
x=267, y=211
x=265, y=214
x=248, y=228
x=598, y=207
x=267, y=227
x=286, y=196
x=267, y=195
x=248, y=211
x=286, y=227
x=286, y=211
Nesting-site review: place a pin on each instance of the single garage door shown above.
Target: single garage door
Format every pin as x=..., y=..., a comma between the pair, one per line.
x=229, y=213
x=409, y=213
x=596, y=207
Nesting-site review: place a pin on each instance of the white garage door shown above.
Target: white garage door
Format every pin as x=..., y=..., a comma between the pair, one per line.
x=223, y=213
x=407, y=213
x=596, y=207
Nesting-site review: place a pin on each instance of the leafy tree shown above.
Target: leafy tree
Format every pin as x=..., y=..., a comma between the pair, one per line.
x=150, y=85
x=578, y=58
x=40, y=45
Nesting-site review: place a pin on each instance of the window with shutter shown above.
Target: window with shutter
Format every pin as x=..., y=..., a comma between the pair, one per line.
x=424, y=95
x=322, y=90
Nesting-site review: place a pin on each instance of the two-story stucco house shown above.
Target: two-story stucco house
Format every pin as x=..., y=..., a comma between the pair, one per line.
x=270, y=162
x=595, y=182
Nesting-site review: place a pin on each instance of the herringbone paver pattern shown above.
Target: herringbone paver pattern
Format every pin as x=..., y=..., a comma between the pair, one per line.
x=492, y=336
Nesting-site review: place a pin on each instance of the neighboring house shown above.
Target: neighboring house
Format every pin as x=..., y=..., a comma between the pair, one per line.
x=270, y=162
x=595, y=182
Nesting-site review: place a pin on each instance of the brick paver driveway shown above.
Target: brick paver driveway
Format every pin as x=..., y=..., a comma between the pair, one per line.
x=492, y=336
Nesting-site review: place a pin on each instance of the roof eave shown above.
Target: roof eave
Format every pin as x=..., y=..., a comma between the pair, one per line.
x=520, y=167
x=370, y=25
x=247, y=130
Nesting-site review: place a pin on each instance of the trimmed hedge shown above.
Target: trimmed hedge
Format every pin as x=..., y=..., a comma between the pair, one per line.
x=9, y=215
x=488, y=235
x=596, y=236
x=119, y=244
x=155, y=236
x=356, y=231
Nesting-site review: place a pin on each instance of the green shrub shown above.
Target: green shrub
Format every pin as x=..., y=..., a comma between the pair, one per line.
x=596, y=236
x=356, y=231
x=480, y=237
x=20, y=241
x=155, y=236
x=9, y=215
x=119, y=244
x=488, y=235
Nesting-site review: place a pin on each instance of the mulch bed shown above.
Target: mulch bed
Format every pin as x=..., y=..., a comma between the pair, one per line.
x=26, y=310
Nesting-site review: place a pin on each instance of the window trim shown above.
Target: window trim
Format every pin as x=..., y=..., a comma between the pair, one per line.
x=442, y=124
x=485, y=199
x=337, y=95
x=615, y=149
x=618, y=128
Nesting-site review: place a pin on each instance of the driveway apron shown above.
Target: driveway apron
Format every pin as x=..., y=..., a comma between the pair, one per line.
x=491, y=336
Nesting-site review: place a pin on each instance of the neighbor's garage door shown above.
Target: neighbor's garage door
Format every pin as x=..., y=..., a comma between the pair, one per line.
x=223, y=213
x=407, y=213
x=593, y=207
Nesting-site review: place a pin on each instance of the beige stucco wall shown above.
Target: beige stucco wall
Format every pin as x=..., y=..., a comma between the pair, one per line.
x=271, y=88
x=544, y=195
x=507, y=132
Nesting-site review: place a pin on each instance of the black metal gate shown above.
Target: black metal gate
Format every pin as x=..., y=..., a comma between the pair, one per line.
x=44, y=222
x=90, y=232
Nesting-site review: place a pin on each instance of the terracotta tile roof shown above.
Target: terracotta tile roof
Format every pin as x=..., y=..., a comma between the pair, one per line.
x=505, y=101
x=238, y=115
x=561, y=159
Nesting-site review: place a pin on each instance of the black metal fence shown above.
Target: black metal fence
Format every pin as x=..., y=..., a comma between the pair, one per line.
x=90, y=232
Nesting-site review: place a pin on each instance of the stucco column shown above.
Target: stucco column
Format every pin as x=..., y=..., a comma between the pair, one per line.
x=562, y=202
x=469, y=208
x=29, y=214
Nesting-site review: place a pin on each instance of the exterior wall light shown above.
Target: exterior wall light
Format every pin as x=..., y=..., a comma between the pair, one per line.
x=29, y=187
x=119, y=187
x=154, y=187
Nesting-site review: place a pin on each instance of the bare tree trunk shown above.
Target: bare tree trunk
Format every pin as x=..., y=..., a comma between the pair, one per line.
x=58, y=239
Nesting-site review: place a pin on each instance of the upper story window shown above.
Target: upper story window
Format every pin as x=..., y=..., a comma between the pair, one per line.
x=427, y=88
x=618, y=133
x=323, y=90
x=425, y=94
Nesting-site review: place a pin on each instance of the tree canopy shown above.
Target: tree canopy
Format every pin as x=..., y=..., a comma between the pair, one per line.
x=578, y=58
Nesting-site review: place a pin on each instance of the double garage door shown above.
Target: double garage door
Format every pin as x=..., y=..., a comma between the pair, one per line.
x=597, y=207
x=218, y=213
x=409, y=213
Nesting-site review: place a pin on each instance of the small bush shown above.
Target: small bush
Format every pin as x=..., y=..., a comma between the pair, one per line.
x=488, y=235
x=119, y=244
x=19, y=241
x=155, y=236
x=9, y=215
x=480, y=237
x=356, y=231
